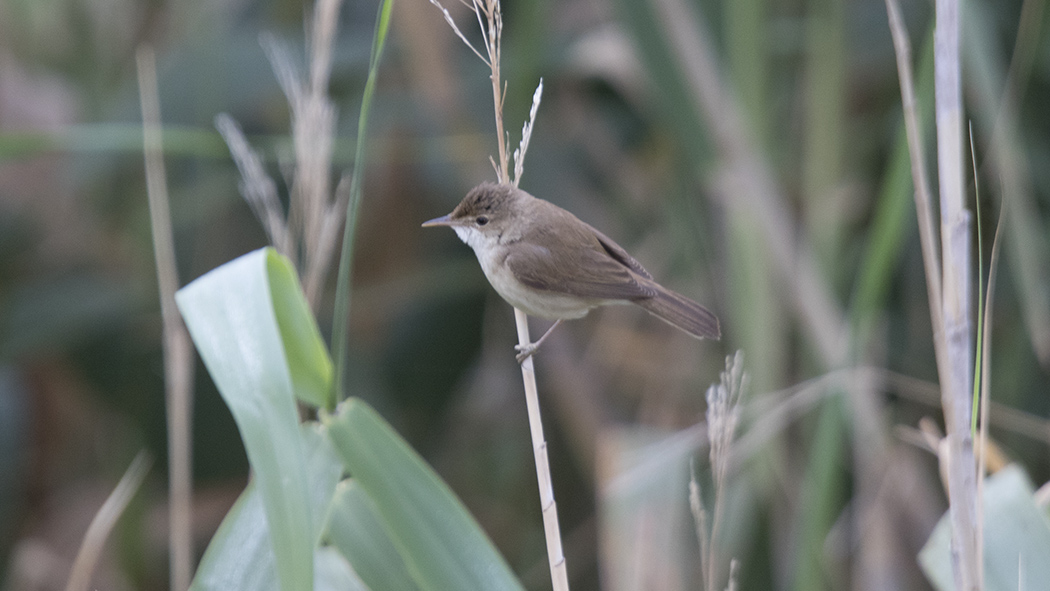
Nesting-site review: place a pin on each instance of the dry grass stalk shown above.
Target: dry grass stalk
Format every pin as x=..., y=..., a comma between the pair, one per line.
x=103, y=522
x=315, y=214
x=257, y=188
x=956, y=304
x=723, y=415
x=178, y=351
x=948, y=284
x=696, y=506
x=920, y=178
x=734, y=573
x=490, y=21
x=526, y=134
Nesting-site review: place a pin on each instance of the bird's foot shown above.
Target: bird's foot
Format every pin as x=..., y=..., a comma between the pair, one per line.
x=525, y=351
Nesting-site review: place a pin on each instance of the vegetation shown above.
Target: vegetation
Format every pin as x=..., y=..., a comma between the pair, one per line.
x=752, y=154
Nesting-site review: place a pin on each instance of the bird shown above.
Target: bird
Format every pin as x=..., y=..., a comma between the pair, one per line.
x=548, y=263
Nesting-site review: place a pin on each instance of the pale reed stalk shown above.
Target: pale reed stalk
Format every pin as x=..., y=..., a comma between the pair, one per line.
x=948, y=282
x=956, y=300
x=178, y=353
x=490, y=19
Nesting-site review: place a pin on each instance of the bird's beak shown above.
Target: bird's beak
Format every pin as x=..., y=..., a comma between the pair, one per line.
x=441, y=221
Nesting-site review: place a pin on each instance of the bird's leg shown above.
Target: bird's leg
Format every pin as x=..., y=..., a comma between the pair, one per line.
x=526, y=351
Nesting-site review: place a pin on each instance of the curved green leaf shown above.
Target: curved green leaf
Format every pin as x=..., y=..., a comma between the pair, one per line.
x=240, y=556
x=230, y=315
x=1016, y=538
x=308, y=360
x=334, y=573
x=441, y=544
x=354, y=527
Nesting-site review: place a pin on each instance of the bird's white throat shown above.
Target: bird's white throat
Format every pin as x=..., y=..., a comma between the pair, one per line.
x=473, y=238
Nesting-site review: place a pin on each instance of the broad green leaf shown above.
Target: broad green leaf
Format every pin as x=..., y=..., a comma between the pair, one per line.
x=230, y=315
x=354, y=527
x=1016, y=538
x=323, y=469
x=441, y=544
x=308, y=360
x=334, y=573
x=240, y=556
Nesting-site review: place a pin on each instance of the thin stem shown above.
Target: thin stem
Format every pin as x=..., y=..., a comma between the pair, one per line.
x=920, y=178
x=314, y=132
x=104, y=520
x=526, y=134
x=178, y=356
x=551, y=528
x=490, y=20
x=956, y=224
x=341, y=313
x=696, y=507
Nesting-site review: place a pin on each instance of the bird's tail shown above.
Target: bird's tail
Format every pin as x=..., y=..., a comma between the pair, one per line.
x=682, y=312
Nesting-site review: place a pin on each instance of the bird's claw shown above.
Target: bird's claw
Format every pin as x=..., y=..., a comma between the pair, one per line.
x=525, y=351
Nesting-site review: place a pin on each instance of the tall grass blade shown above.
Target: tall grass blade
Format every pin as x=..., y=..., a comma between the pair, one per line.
x=979, y=346
x=341, y=314
x=1010, y=148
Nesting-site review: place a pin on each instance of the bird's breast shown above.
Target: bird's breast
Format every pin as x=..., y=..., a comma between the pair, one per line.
x=535, y=302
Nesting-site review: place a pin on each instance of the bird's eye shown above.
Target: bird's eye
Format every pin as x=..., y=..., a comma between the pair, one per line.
x=482, y=220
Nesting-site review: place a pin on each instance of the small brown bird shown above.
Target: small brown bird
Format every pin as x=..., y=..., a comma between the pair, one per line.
x=546, y=262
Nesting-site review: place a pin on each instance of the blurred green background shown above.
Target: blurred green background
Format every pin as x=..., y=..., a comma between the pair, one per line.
x=814, y=504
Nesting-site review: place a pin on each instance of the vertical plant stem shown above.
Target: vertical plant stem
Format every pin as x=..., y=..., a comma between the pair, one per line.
x=552, y=530
x=178, y=360
x=955, y=298
x=497, y=99
x=905, y=177
x=555, y=556
x=490, y=19
x=341, y=314
x=313, y=129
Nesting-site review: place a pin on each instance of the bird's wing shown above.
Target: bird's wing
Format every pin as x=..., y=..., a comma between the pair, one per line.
x=618, y=253
x=589, y=265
